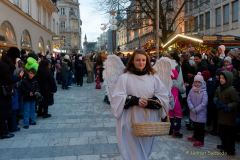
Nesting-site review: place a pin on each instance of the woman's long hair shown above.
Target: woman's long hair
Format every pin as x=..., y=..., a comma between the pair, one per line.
x=43, y=71
x=44, y=66
x=130, y=65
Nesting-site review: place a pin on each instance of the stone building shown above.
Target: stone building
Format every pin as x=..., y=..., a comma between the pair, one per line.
x=211, y=17
x=70, y=25
x=28, y=24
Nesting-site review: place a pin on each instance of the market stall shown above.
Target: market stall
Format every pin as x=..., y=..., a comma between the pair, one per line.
x=229, y=41
x=182, y=42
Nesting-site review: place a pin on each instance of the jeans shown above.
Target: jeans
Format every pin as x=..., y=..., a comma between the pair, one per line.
x=29, y=112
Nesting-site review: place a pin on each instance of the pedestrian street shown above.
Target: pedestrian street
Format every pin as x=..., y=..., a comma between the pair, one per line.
x=83, y=128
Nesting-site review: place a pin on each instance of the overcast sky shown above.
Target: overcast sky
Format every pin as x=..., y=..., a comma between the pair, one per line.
x=91, y=19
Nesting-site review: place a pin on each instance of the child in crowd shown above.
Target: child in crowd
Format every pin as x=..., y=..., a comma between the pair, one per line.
x=197, y=102
x=227, y=102
x=176, y=113
x=29, y=89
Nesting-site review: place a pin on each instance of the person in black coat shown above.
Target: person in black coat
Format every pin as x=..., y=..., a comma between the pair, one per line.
x=47, y=87
x=7, y=67
x=201, y=65
x=79, y=70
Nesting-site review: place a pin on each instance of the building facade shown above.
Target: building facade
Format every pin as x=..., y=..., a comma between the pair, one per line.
x=70, y=25
x=122, y=37
x=28, y=24
x=141, y=33
x=212, y=17
x=102, y=42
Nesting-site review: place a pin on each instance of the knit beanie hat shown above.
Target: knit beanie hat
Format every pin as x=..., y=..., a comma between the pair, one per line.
x=199, y=77
x=48, y=56
x=222, y=48
x=31, y=64
x=228, y=58
x=66, y=57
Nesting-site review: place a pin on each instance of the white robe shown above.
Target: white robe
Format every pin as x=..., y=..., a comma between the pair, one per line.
x=147, y=86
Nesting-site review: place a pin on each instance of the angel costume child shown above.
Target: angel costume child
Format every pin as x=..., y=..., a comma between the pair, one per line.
x=129, y=101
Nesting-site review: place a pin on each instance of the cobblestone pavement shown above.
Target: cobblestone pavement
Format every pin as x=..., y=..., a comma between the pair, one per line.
x=83, y=128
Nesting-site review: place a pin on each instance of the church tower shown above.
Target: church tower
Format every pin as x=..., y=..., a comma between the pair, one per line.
x=85, y=44
x=85, y=38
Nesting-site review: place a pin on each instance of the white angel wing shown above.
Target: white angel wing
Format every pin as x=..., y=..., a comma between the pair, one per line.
x=164, y=67
x=113, y=68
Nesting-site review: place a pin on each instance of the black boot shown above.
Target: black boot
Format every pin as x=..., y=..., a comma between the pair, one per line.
x=106, y=100
x=9, y=135
x=47, y=115
x=177, y=135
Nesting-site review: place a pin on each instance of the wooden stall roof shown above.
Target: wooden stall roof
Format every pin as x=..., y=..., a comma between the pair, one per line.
x=181, y=37
x=216, y=40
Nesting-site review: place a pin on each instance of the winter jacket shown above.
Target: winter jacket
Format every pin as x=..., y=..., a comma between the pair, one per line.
x=46, y=82
x=197, y=103
x=202, y=66
x=64, y=69
x=227, y=101
x=47, y=86
x=5, y=80
x=27, y=86
x=79, y=66
x=177, y=110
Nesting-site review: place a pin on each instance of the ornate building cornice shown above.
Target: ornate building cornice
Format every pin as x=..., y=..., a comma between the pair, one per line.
x=27, y=16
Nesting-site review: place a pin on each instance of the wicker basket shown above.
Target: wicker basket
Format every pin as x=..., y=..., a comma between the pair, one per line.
x=149, y=129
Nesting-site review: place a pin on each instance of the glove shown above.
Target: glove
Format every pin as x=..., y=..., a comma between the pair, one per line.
x=131, y=101
x=193, y=110
x=220, y=104
x=152, y=104
x=38, y=96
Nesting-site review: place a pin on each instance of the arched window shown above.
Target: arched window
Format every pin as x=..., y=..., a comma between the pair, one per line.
x=26, y=42
x=48, y=46
x=9, y=33
x=41, y=45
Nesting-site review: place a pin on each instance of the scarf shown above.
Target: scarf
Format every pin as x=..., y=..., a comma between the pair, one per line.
x=140, y=73
x=195, y=89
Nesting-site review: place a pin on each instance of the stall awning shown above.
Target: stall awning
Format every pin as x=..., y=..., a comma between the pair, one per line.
x=227, y=40
x=181, y=37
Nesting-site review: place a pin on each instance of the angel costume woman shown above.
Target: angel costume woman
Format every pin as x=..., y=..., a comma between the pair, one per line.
x=129, y=101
